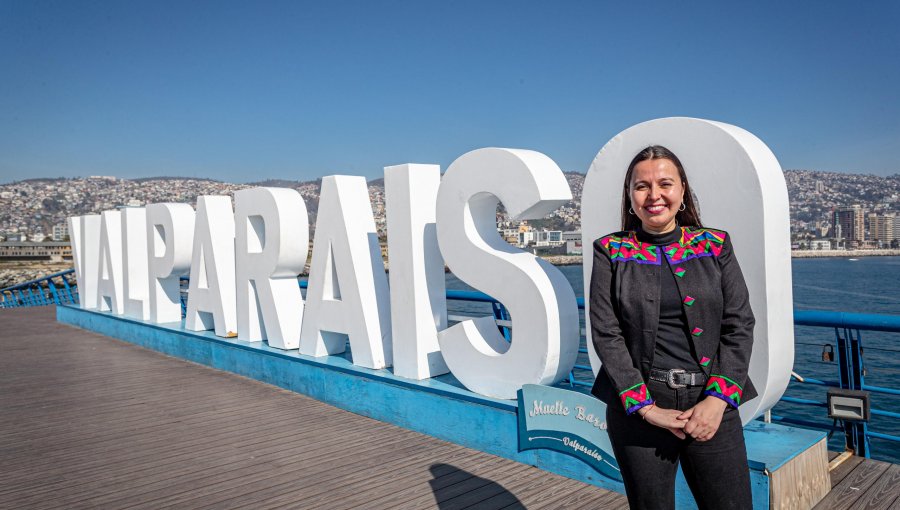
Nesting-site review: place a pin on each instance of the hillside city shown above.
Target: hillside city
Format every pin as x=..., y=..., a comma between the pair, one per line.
x=827, y=210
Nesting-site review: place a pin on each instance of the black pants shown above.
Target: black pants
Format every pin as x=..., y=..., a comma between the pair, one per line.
x=716, y=470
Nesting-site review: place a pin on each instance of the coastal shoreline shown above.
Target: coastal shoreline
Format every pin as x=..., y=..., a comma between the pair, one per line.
x=12, y=273
x=573, y=260
x=811, y=254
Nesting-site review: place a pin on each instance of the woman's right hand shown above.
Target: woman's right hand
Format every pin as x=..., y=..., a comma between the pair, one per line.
x=664, y=418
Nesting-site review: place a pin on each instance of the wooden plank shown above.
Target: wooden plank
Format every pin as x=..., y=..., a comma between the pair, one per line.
x=168, y=467
x=802, y=481
x=307, y=483
x=199, y=483
x=550, y=496
x=440, y=474
x=255, y=446
x=854, y=485
x=844, y=469
x=884, y=493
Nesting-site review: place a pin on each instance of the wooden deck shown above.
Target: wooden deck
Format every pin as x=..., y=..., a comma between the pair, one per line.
x=863, y=483
x=88, y=421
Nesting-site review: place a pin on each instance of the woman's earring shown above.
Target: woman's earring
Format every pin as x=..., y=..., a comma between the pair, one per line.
x=631, y=211
x=683, y=207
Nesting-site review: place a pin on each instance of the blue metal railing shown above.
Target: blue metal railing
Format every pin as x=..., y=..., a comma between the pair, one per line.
x=55, y=289
x=849, y=353
x=60, y=288
x=848, y=328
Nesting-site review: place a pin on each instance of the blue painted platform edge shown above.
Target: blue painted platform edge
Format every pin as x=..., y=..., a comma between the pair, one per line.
x=438, y=385
x=769, y=446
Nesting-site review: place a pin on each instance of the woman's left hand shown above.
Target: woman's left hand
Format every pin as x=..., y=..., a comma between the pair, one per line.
x=703, y=419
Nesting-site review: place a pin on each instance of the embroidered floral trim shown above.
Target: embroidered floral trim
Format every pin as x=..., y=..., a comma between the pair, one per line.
x=695, y=243
x=629, y=249
x=679, y=271
x=724, y=388
x=636, y=397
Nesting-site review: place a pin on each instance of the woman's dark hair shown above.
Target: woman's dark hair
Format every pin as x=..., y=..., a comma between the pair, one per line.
x=689, y=217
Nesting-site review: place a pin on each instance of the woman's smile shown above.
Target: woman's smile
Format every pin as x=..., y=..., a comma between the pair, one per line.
x=656, y=208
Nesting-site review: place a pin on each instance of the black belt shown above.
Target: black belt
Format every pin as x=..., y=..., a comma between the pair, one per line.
x=678, y=378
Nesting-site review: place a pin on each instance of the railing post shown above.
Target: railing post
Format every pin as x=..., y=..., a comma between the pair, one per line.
x=851, y=378
x=42, y=296
x=501, y=314
x=860, y=429
x=53, y=291
x=68, y=289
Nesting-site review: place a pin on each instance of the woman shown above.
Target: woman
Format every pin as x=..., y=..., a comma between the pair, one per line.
x=671, y=322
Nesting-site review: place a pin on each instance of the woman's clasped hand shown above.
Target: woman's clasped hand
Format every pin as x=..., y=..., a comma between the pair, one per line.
x=699, y=422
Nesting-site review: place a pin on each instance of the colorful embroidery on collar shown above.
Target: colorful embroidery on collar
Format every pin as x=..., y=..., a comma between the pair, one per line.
x=636, y=397
x=694, y=243
x=629, y=249
x=724, y=388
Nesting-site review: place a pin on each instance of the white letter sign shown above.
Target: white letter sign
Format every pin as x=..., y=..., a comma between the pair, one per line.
x=271, y=243
x=418, y=295
x=211, y=296
x=109, y=272
x=84, y=231
x=741, y=189
x=348, y=292
x=134, y=256
x=170, y=233
x=540, y=301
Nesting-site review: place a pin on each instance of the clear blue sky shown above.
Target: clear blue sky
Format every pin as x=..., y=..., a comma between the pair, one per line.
x=241, y=91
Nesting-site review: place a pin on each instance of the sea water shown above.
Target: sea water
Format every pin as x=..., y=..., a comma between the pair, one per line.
x=867, y=285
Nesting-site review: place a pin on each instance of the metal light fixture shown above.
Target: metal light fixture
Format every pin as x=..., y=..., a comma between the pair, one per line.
x=848, y=405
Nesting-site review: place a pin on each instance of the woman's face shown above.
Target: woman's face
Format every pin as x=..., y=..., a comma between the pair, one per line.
x=656, y=194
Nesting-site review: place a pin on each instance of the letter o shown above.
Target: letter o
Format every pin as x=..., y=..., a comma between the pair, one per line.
x=741, y=189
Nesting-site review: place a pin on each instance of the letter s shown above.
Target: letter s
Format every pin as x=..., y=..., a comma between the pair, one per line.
x=540, y=300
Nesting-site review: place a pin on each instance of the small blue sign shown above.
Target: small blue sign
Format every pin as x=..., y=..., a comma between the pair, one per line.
x=568, y=422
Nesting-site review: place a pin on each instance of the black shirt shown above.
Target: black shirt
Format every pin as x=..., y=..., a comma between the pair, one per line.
x=673, y=344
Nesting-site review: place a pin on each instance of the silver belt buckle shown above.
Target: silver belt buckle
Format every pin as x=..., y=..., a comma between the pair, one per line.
x=670, y=378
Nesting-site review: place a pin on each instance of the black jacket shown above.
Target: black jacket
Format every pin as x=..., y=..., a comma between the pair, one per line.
x=624, y=313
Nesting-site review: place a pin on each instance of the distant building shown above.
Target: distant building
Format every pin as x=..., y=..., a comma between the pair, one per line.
x=881, y=227
x=510, y=235
x=60, y=232
x=573, y=242
x=574, y=235
x=16, y=237
x=55, y=252
x=526, y=237
x=850, y=223
x=820, y=244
